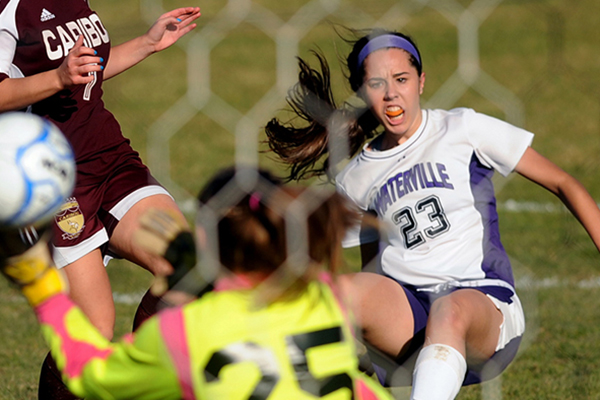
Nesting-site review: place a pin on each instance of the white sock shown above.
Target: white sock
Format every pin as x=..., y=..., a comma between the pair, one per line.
x=439, y=373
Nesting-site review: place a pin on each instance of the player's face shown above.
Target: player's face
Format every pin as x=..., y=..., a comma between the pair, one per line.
x=393, y=88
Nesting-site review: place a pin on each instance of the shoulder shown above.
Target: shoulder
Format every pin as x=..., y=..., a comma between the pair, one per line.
x=20, y=19
x=218, y=304
x=452, y=116
x=8, y=10
x=354, y=177
x=473, y=118
x=467, y=121
x=345, y=174
x=3, y=4
x=11, y=27
x=454, y=121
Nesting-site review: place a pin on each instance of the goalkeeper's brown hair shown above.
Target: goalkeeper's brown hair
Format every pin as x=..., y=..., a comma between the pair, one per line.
x=254, y=233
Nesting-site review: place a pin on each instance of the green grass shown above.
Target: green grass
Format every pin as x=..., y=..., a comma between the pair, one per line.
x=23, y=348
x=543, y=51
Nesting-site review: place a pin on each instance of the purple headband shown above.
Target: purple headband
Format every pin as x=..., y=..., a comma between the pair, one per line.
x=385, y=41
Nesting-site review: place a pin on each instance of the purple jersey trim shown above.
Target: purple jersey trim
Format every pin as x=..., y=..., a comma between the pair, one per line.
x=172, y=328
x=78, y=354
x=495, y=264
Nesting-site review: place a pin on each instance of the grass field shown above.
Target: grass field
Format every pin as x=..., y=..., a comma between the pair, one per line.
x=535, y=63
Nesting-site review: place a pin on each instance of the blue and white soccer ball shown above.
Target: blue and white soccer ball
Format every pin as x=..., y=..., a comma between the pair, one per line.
x=37, y=169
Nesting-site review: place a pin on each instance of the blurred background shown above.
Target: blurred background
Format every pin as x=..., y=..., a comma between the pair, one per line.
x=202, y=104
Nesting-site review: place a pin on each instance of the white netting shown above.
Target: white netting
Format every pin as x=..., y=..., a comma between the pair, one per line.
x=288, y=31
x=287, y=35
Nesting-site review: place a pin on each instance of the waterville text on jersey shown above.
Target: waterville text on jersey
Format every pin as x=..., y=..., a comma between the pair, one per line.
x=420, y=176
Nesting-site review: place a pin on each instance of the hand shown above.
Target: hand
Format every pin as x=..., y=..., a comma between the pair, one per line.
x=163, y=234
x=171, y=26
x=35, y=273
x=77, y=65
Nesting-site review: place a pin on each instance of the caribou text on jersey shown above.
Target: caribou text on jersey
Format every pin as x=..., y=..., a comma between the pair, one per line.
x=420, y=176
x=60, y=39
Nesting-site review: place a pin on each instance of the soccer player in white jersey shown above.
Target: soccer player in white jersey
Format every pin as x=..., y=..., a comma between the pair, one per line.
x=444, y=288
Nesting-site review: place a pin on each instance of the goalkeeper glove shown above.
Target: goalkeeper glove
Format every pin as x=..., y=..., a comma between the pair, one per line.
x=163, y=234
x=34, y=272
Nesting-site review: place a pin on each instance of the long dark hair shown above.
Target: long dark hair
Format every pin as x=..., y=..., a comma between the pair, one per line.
x=252, y=227
x=305, y=149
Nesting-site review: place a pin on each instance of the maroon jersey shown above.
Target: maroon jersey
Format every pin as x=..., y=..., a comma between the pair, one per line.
x=35, y=36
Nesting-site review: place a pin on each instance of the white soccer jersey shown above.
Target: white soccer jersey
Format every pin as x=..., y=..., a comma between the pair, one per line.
x=435, y=195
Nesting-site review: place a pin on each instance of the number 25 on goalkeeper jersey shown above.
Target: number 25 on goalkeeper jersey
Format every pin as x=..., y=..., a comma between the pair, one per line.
x=218, y=347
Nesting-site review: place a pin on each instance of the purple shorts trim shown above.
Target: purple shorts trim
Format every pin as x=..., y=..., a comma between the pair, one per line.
x=420, y=303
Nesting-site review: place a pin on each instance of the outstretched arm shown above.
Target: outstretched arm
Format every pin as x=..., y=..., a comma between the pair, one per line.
x=167, y=29
x=573, y=194
x=135, y=367
x=138, y=366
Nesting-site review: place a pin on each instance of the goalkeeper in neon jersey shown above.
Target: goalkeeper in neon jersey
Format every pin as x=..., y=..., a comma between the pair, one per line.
x=270, y=329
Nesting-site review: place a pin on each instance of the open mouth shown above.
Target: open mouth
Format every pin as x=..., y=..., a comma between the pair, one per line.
x=394, y=112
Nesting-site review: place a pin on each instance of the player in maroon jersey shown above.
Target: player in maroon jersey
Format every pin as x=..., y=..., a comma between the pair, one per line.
x=54, y=55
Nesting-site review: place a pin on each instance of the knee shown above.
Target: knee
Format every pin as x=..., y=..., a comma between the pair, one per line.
x=450, y=314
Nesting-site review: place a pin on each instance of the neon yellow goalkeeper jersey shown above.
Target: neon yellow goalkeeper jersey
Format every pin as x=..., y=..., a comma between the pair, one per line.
x=218, y=347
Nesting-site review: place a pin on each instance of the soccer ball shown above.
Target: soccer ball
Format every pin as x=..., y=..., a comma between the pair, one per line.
x=37, y=169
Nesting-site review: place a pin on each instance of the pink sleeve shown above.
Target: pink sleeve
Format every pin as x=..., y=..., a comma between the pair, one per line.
x=60, y=313
x=172, y=328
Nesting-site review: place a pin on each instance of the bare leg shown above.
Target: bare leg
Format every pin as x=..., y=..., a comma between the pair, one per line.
x=463, y=327
x=381, y=309
x=122, y=240
x=466, y=320
x=89, y=287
